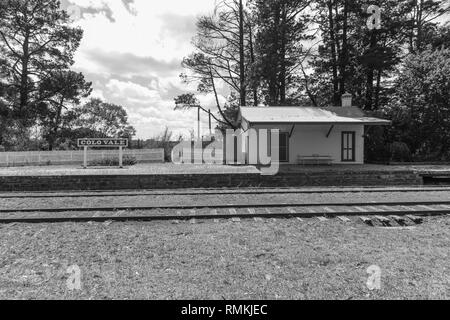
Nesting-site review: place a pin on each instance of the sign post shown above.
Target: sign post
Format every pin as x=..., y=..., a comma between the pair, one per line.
x=120, y=157
x=102, y=143
x=85, y=157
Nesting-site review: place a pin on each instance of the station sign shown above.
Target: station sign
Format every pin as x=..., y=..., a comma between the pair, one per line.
x=102, y=143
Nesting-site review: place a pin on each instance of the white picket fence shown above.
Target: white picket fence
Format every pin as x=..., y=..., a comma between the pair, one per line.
x=37, y=158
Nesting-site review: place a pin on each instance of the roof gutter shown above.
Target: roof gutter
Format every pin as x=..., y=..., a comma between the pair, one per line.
x=380, y=123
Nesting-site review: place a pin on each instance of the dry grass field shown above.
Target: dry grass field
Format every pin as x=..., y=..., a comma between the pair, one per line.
x=268, y=259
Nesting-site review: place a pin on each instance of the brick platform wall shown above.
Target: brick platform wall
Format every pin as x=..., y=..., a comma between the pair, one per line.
x=122, y=182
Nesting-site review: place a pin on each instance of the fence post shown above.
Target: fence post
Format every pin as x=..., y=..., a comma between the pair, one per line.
x=85, y=158
x=121, y=157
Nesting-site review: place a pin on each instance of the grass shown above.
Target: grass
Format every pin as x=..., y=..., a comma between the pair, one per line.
x=127, y=160
x=282, y=259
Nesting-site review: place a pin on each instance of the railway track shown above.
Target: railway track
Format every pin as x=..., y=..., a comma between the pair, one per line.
x=383, y=212
x=193, y=192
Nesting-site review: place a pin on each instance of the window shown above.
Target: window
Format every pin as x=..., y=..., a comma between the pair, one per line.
x=348, y=146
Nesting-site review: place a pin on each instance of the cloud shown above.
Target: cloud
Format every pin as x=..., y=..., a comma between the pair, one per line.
x=148, y=110
x=132, y=52
x=81, y=8
x=132, y=91
x=130, y=64
x=129, y=5
x=178, y=26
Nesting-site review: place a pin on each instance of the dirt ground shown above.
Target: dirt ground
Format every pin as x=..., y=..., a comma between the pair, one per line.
x=205, y=199
x=268, y=259
x=170, y=168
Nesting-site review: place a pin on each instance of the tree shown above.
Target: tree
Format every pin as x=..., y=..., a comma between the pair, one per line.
x=420, y=110
x=423, y=15
x=336, y=20
x=35, y=40
x=382, y=50
x=164, y=140
x=61, y=89
x=222, y=43
x=4, y=108
x=189, y=101
x=242, y=75
x=281, y=28
x=438, y=38
x=354, y=58
x=100, y=119
x=231, y=111
x=224, y=54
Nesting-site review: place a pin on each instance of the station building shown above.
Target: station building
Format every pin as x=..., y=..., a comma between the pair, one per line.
x=313, y=135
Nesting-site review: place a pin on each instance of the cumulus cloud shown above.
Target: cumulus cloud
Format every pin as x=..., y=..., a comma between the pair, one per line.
x=130, y=64
x=177, y=26
x=132, y=91
x=132, y=52
x=82, y=8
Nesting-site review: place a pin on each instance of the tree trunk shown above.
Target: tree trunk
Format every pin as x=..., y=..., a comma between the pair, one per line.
x=377, y=90
x=273, y=77
x=336, y=99
x=344, y=53
x=252, y=58
x=369, y=90
x=282, y=56
x=54, y=131
x=370, y=75
x=242, y=92
x=308, y=91
x=24, y=90
x=218, y=103
x=419, y=26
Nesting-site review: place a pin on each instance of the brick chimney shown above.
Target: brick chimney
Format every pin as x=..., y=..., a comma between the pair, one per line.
x=346, y=100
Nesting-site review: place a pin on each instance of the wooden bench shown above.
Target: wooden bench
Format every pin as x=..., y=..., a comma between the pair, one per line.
x=315, y=159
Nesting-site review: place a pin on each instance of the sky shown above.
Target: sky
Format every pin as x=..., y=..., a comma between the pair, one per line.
x=132, y=51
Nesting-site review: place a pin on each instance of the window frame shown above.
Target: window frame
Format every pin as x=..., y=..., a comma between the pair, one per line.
x=345, y=150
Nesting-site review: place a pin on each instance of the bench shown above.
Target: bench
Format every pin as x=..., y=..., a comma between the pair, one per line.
x=315, y=159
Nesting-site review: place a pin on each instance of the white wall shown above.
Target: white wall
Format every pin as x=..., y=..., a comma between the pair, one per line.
x=307, y=140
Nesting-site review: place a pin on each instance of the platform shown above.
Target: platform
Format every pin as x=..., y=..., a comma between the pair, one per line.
x=171, y=169
x=171, y=176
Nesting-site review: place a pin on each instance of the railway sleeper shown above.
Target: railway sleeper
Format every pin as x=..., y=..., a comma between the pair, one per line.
x=368, y=213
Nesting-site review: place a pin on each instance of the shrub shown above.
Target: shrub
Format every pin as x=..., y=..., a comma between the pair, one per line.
x=419, y=108
x=400, y=152
x=376, y=147
x=113, y=161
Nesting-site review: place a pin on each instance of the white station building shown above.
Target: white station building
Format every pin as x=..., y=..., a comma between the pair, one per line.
x=312, y=135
